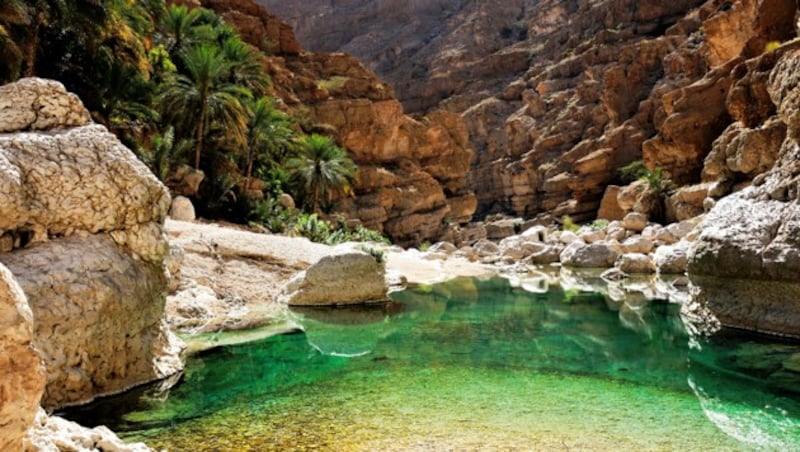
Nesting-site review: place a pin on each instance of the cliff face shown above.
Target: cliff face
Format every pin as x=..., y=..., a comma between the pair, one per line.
x=412, y=172
x=558, y=94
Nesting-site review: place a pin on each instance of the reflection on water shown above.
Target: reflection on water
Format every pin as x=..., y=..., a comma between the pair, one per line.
x=498, y=363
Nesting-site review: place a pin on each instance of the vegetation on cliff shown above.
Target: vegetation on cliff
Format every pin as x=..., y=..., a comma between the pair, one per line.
x=181, y=88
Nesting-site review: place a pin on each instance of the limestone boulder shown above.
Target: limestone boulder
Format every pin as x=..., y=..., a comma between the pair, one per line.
x=687, y=202
x=99, y=317
x=486, y=248
x=549, y=254
x=53, y=433
x=87, y=247
x=346, y=276
x=635, y=222
x=38, y=104
x=635, y=263
x=500, y=229
x=592, y=255
x=637, y=244
x=610, y=209
x=762, y=247
x=56, y=183
x=182, y=209
x=22, y=377
x=672, y=259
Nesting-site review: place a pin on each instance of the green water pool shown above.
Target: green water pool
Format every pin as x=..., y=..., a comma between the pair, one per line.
x=476, y=365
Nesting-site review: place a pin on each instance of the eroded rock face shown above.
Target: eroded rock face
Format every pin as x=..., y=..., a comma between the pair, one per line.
x=557, y=95
x=750, y=239
x=347, y=276
x=22, y=375
x=91, y=286
x=84, y=220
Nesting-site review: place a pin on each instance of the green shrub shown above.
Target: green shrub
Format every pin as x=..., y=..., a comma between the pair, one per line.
x=772, y=45
x=632, y=172
x=658, y=181
x=377, y=254
x=567, y=224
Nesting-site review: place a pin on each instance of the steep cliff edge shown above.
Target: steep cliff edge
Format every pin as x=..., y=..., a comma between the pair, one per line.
x=81, y=231
x=412, y=172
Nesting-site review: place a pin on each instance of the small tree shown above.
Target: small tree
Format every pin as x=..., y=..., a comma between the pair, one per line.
x=203, y=98
x=321, y=170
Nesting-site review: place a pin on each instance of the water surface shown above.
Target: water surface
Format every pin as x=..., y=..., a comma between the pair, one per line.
x=477, y=364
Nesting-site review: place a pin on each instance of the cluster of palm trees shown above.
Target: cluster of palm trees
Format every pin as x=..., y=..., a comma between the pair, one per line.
x=177, y=84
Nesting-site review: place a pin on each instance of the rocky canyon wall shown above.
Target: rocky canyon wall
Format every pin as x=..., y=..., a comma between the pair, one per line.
x=558, y=94
x=81, y=232
x=412, y=181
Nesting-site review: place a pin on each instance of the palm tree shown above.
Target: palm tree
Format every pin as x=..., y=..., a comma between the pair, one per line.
x=321, y=170
x=12, y=13
x=269, y=135
x=246, y=69
x=177, y=26
x=203, y=98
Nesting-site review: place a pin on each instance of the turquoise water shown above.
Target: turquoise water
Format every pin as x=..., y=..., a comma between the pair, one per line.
x=476, y=365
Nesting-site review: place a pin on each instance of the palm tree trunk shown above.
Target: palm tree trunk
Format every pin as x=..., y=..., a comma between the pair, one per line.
x=198, y=145
x=31, y=44
x=249, y=172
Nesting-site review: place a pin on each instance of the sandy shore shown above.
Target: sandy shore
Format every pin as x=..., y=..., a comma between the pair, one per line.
x=230, y=278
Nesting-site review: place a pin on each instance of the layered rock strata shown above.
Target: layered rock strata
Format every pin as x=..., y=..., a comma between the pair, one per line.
x=412, y=172
x=81, y=230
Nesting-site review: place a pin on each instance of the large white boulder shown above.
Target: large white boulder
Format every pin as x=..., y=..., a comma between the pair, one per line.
x=346, y=276
x=580, y=254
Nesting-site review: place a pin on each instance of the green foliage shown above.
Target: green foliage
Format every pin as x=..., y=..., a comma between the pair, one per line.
x=270, y=138
x=333, y=84
x=599, y=224
x=164, y=152
x=771, y=45
x=277, y=219
x=377, y=254
x=425, y=246
x=567, y=224
x=632, y=172
x=658, y=181
x=319, y=171
x=180, y=86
